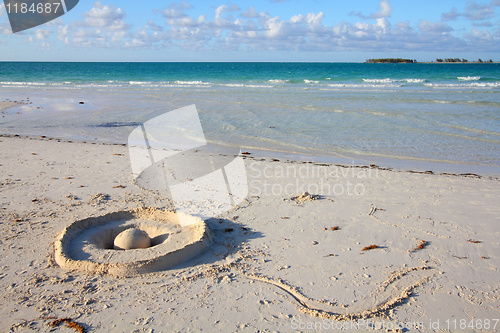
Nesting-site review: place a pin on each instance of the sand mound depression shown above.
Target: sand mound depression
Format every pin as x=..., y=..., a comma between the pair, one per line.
x=131, y=242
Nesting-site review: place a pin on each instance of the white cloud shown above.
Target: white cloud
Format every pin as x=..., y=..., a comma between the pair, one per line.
x=176, y=10
x=473, y=12
x=453, y=14
x=250, y=12
x=229, y=28
x=477, y=12
x=103, y=26
x=153, y=26
x=434, y=27
x=385, y=10
x=254, y=31
x=483, y=35
x=108, y=17
x=41, y=34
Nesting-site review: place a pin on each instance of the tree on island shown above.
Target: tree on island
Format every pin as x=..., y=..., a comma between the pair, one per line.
x=390, y=61
x=463, y=60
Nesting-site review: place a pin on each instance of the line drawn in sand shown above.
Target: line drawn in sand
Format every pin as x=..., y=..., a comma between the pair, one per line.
x=394, y=291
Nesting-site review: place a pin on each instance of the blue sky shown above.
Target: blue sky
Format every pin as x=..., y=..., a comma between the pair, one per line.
x=260, y=30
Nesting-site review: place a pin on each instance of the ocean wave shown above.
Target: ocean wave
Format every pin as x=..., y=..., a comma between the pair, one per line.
x=464, y=85
x=278, y=81
x=15, y=83
x=389, y=80
x=243, y=85
x=414, y=80
x=258, y=86
x=139, y=82
x=469, y=78
x=348, y=85
x=193, y=82
x=378, y=80
x=232, y=85
x=310, y=81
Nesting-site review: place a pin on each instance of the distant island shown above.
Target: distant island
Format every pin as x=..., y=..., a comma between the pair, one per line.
x=461, y=60
x=390, y=61
x=412, y=61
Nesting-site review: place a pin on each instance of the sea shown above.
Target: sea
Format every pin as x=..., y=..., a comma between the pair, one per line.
x=422, y=116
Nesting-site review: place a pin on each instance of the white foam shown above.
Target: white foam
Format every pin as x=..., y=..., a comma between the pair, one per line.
x=346, y=85
x=278, y=81
x=469, y=78
x=311, y=81
x=241, y=85
x=464, y=85
x=193, y=82
x=414, y=80
x=15, y=83
x=139, y=82
x=233, y=85
x=378, y=80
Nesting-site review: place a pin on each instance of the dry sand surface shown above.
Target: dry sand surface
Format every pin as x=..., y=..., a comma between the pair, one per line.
x=364, y=245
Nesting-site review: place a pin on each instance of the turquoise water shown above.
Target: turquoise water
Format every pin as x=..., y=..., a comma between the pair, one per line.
x=429, y=113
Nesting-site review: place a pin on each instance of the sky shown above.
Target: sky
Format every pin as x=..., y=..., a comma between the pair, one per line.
x=260, y=30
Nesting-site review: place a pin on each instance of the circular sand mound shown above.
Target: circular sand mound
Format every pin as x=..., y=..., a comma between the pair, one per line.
x=89, y=245
x=132, y=238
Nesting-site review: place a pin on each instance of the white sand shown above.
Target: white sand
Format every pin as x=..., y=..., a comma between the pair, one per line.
x=275, y=263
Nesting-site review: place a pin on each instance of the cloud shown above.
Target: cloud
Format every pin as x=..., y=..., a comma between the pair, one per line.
x=478, y=12
x=250, y=12
x=104, y=16
x=62, y=33
x=103, y=26
x=473, y=12
x=228, y=28
x=453, y=14
x=434, y=27
x=153, y=26
x=41, y=34
x=482, y=39
x=176, y=10
x=251, y=30
x=385, y=10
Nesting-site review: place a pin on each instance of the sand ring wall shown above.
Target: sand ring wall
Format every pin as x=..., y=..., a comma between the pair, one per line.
x=87, y=245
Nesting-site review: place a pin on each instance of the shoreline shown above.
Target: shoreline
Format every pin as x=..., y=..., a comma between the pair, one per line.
x=381, y=163
x=280, y=259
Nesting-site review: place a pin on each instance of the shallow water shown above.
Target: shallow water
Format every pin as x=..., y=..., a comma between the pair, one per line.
x=429, y=113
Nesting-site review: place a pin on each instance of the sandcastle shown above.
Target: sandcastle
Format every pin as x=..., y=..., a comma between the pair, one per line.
x=131, y=242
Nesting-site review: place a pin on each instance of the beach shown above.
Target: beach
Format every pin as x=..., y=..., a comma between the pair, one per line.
x=312, y=247
x=254, y=166
x=308, y=197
